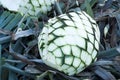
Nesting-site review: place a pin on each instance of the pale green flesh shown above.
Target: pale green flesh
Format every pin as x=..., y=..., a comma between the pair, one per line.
x=71, y=43
x=29, y=7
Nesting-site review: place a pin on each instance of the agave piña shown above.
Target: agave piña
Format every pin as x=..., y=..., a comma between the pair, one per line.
x=69, y=42
x=29, y=7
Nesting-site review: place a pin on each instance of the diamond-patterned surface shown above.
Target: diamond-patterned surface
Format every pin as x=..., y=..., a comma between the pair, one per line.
x=29, y=7
x=72, y=42
x=37, y=6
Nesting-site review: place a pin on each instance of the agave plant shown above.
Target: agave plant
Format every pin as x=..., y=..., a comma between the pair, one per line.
x=69, y=42
x=30, y=7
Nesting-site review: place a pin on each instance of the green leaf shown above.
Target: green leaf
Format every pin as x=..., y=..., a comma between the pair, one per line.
x=41, y=76
x=5, y=39
x=16, y=70
x=89, y=8
x=104, y=74
x=14, y=22
x=12, y=76
x=92, y=2
x=58, y=8
x=109, y=53
x=4, y=15
x=7, y=20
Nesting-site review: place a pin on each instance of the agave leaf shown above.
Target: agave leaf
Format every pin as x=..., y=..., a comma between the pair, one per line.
x=41, y=76
x=103, y=62
x=92, y=2
x=14, y=22
x=19, y=56
x=51, y=76
x=117, y=68
x=23, y=34
x=113, y=31
x=19, y=64
x=4, y=32
x=106, y=29
x=12, y=76
x=16, y=70
x=32, y=43
x=108, y=4
x=31, y=69
x=17, y=35
x=1, y=9
x=17, y=47
x=88, y=8
x=58, y=8
x=88, y=4
x=109, y=53
x=5, y=39
x=5, y=75
x=3, y=16
x=118, y=22
x=7, y=20
x=104, y=74
x=12, y=61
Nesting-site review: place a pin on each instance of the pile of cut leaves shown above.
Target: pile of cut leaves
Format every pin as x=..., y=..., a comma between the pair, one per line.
x=19, y=56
